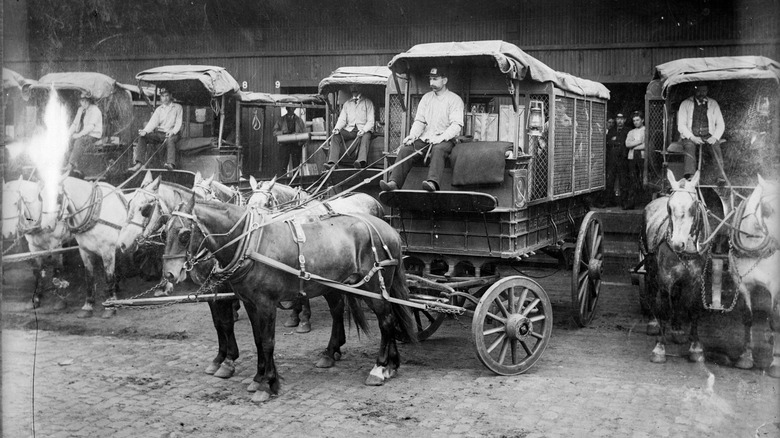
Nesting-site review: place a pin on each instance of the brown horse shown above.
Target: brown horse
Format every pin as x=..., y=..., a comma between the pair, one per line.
x=267, y=263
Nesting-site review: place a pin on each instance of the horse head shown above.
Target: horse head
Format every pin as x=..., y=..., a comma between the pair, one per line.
x=144, y=214
x=263, y=194
x=178, y=231
x=22, y=207
x=684, y=213
x=760, y=219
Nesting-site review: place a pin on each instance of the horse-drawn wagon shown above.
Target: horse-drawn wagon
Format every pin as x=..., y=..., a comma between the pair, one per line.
x=713, y=237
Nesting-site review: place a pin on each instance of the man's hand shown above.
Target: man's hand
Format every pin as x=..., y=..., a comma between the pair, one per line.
x=408, y=140
x=360, y=132
x=335, y=131
x=436, y=139
x=712, y=140
x=697, y=140
x=141, y=132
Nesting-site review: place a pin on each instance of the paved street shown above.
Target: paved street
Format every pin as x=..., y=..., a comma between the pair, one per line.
x=148, y=381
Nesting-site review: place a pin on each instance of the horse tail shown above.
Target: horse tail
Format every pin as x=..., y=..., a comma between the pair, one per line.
x=406, y=329
x=355, y=313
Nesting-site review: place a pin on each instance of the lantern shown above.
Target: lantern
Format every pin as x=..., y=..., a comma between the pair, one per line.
x=536, y=118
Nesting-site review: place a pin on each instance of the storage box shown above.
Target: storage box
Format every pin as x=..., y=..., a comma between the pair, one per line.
x=196, y=130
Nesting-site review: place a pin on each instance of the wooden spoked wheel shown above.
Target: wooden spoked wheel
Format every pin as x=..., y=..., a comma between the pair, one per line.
x=512, y=325
x=426, y=321
x=586, y=269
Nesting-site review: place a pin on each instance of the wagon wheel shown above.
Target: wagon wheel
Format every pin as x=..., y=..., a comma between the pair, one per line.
x=586, y=270
x=426, y=322
x=512, y=325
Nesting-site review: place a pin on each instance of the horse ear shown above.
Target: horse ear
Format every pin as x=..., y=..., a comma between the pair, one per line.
x=147, y=179
x=177, y=200
x=208, y=180
x=695, y=179
x=190, y=204
x=273, y=181
x=672, y=181
x=198, y=177
x=252, y=182
x=761, y=180
x=155, y=185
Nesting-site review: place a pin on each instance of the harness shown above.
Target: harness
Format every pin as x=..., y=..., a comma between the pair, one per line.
x=91, y=211
x=765, y=249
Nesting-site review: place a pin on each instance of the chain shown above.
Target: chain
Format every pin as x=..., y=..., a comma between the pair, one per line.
x=162, y=283
x=458, y=311
x=704, y=289
x=732, y=260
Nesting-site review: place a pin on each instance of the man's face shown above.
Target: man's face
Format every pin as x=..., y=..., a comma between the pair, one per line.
x=354, y=91
x=701, y=91
x=84, y=102
x=165, y=97
x=638, y=122
x=620, y=121
x=437, y=82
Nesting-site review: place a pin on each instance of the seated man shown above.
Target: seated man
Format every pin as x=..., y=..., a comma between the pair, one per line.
x=164, y=127
x=438, y=121
x=87, y=127
x=356, y=120
x=699, y=122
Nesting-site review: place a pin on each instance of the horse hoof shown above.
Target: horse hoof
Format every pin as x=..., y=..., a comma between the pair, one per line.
x=696, y=357
x=774, y=371
x=226, y=370
x=108, y=313
x=653, y=329
x=261, y=397
x=658, y=358
x=744, y=363
x=212, y=368
x=373, y=380
x=337, y=355
x=253, y=387
x=59, y=305
x=304, y=327
x=292, y=322
x=325, y=362
x=84, y=314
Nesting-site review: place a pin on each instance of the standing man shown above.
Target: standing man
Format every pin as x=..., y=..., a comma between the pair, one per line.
x=616, y=161
x=438, y=121
x=635, y=143
x=700, y=122
x=87, y=127
x=290, y=123
x=356, y=120
x=164, y=127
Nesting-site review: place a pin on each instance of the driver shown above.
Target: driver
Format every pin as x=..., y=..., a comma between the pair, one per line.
x=164, y=127
x=438, y=121
x=700, y=123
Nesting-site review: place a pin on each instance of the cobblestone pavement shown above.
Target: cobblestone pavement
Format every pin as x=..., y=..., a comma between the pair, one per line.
x=143, y=377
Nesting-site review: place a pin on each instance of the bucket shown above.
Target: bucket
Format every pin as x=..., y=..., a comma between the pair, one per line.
x=200, y=115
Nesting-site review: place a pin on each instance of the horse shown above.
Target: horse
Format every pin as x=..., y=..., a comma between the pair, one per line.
x=94, y=213
x=22, y=212
x=209, y=189
x=754, y=256
x=674, y=228
x=273, y=196
x=266, y=259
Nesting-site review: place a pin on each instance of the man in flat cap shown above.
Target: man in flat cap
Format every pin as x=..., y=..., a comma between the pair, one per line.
x=438, y=121
x=700, y=123
x=355, y=120
x=164, y=127
x=86, y=129
x=617, y=162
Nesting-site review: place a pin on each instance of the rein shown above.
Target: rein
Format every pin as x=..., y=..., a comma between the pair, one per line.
x=768, y=245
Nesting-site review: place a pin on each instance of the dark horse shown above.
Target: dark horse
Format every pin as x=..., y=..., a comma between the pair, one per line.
x=266, y=261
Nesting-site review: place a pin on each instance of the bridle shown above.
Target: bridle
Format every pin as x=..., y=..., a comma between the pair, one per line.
x=769, y=243
x=699, y=226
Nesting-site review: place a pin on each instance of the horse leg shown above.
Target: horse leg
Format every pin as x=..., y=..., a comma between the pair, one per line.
x=223, y=366
x=39, y=274
x=305, y=316
x=338, y=337
x=294, y=319
x=661, y=309
x=57, y=282
x=263, y=320
x=696, y=350
x=388, y=359
x=112, y=282
x=745, y=360
x=89, y=278
x=774, y=324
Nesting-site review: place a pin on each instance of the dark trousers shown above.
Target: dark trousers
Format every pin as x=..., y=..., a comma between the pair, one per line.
x=439, y=153
x=77, y=149
x=692, y=156
x=359, y=153
x=294, y=150
x=634, y=192
x=617, y=171
x=156, y=137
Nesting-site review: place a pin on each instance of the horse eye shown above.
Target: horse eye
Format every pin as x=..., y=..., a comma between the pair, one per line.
x=184, y=237
x=146, y=210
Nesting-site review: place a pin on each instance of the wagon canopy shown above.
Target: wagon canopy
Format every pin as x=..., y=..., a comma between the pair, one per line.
x=252, y=97
x=12, y=79
x=98, y=85
x=510, y=60
x=365, y=75
x=714, y=69
x=192, y=84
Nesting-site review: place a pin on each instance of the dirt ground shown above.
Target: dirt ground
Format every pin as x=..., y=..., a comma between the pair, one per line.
x=140, y=374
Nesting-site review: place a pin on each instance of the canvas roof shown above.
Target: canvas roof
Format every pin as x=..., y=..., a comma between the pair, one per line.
x=510, y=59
x=97, y=84
x=191, y=84
x=362, y=75
x=716, y=69
x=268, y=98
x=12, y=79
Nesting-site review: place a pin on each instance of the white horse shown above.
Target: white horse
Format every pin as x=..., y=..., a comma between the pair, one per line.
x=754, y=259
x=22, y=213
x=94, y=213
